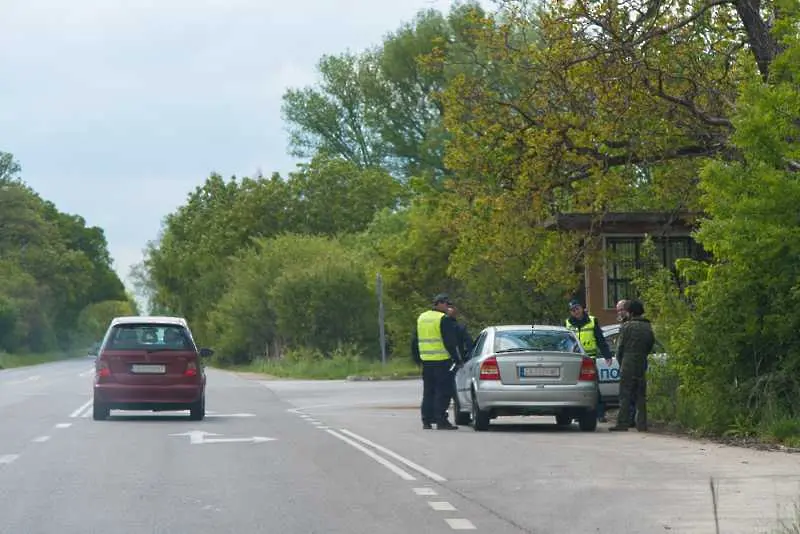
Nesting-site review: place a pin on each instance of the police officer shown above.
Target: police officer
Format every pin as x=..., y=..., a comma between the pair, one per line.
x=636, y=340
x=435, y=346
x=588, y=330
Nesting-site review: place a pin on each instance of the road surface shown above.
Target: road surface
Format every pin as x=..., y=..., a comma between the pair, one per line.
x=304, y=457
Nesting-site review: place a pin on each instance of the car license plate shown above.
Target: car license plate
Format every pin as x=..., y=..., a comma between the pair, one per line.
x=148, y=369
x=539, y=372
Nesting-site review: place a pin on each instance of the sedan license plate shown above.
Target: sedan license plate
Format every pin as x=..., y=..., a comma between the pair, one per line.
x=539, y=372
x=148, y=369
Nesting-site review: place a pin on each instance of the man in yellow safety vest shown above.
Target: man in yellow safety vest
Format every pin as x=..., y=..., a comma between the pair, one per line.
x=588, y=330
x=435, y=346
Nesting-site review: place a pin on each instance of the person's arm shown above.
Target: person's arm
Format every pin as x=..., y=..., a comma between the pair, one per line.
x=467, y=341
x=621, y=344
x=602, y=344
x=415, y=356
x=449, y=330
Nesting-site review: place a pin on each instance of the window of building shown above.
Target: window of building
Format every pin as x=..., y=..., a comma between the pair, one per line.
x=624, y=256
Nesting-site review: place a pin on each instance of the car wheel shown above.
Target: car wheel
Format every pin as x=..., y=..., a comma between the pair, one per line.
x=460, y=418
x=99, y=411
x=198, y=411
x=563, y=420
x=588, y=421
x=480, y=418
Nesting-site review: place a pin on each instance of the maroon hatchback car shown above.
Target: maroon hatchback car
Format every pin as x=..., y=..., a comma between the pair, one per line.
x=149, y=363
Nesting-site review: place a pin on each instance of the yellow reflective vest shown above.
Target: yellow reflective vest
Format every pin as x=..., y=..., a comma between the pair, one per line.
x=586, y=336
x=429, y=337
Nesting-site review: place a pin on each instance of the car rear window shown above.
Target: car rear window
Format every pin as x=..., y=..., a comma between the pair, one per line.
x=149, y=337
x=546, y=340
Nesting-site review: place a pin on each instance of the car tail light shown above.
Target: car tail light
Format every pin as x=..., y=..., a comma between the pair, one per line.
x=102, y=370
x=191, y=369
x=489, y=369
x=588, y=370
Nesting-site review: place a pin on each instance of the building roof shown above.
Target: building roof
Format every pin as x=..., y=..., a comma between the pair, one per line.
x=623, y=221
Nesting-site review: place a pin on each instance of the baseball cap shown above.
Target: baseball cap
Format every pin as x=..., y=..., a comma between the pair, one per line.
x=442, y=297
x=575, y=302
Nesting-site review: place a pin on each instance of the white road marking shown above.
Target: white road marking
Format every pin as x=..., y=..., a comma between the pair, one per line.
x=8, y=458
x=87, y=373
x=317, y=423
x=442, y=506
x=299, y=410
x=425, y=491
x=428, y=473
x=323, y=427
x=380, y=459
x=460, y=524
x=41, y=439
x=80, y=410
x=63, y=425
x=33, y=378
x=198, y=437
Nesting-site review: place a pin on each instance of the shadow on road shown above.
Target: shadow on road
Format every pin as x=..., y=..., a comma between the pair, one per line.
x=165, y=418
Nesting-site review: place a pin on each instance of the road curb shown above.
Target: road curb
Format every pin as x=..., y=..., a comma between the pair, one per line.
x=360, y=378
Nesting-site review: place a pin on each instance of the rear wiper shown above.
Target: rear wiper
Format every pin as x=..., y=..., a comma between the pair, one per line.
x=151, y=351
x=515, y=349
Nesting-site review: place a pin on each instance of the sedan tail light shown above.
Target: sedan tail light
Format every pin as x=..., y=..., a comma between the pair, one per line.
x=588, y=370
x=489, y=369
x=102, y=370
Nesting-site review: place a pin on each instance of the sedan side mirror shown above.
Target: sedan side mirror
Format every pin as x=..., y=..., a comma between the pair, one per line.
x=206, y=353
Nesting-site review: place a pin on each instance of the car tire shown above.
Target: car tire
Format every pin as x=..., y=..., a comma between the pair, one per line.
x=563, y=420
x=99, y=411
x=197, y=412
x=480, y=418
x=460, y=418
x=588, y=421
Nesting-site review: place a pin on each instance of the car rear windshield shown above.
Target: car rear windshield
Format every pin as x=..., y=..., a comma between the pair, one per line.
x=546, y=340
x=149, y=337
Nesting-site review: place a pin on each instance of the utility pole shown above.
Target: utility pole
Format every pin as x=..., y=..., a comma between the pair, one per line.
x=379, y=291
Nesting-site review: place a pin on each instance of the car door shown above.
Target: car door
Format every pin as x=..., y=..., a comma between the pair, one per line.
x=608, y=376
x=464, y=374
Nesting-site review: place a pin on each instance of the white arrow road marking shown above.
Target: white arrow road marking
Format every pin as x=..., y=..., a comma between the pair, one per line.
x=8, y=458
x=199, y=437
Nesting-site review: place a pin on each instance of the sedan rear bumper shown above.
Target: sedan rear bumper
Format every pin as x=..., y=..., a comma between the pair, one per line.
x=121, y=395
x=537, y=399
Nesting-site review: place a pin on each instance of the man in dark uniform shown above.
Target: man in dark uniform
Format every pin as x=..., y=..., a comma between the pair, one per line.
x=434, y=345
x=636, y=340
x=464, y=339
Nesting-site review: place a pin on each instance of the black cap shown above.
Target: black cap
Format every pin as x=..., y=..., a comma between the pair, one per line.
x=575, y=302
x=442, y=297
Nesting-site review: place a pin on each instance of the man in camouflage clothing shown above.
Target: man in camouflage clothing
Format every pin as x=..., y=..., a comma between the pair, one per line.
x=636, y=340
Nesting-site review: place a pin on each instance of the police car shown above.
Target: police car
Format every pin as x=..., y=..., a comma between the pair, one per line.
x=608, y=376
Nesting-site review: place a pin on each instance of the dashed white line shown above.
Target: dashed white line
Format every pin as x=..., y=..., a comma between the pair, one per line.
x=323, y=427
x=428, y=473
x=380, y=459
x=8, y=458
x=442, y=506
x=41, y=439
x=63, y=425
x=87, y=372
x=425, y=491
x=80, y=410
x=460, y=524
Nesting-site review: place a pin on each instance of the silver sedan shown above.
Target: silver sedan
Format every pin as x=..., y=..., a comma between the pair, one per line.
x=527, y=370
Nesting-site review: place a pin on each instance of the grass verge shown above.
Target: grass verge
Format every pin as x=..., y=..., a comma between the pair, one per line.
x=8, y=361
x=332, y=368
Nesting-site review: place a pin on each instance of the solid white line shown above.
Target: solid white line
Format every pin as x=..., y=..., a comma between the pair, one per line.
x=460, y=524
x=428, y=473
x=381, y=460
x=425, y=491
x=8, y=458
x=80, y=410
x=63, y=425
x=442, y=506
x=41, y=439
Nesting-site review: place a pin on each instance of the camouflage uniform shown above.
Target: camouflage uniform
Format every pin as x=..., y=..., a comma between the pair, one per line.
x=636, y=341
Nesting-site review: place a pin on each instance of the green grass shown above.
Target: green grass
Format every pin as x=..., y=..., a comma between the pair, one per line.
x=332, y=368
x=7, y=361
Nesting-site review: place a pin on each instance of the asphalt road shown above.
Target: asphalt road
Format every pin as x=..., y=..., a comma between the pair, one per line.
x=351, y=457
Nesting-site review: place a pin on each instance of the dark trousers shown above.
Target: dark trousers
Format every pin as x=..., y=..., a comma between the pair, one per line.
x=632, y=399
x=437, y=391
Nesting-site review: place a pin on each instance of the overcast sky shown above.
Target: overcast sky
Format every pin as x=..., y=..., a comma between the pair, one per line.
x=117, y=109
